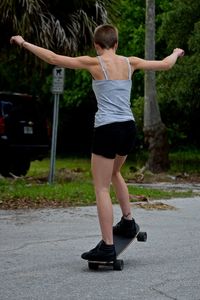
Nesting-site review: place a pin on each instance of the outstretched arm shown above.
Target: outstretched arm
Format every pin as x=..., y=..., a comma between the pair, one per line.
x=81, y=62
x=156, y=65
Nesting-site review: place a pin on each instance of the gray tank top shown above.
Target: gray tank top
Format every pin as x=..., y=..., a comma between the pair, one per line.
x=113, y=98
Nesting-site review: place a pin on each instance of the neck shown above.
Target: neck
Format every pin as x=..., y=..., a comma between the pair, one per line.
x=106, y=51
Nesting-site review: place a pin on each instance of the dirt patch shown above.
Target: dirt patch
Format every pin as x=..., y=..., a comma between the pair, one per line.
x=154, y=206
x=26, y=203
x=148, y=177
x=143, y=202
x=62, y=176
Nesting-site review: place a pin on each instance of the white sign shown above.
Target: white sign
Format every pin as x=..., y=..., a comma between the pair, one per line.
x=58, y=80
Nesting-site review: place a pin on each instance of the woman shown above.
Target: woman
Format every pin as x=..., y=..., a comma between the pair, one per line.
x=114, y=128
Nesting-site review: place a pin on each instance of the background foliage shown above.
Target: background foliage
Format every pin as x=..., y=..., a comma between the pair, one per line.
x=178, y=90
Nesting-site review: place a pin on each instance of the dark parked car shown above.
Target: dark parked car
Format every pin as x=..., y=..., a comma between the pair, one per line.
x=24, y=133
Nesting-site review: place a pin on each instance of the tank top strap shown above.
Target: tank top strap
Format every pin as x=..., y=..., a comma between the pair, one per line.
x=103, y=67
x=129, y=68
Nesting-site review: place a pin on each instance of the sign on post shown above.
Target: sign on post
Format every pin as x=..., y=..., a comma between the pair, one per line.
x=57, y=89
x=58, y=80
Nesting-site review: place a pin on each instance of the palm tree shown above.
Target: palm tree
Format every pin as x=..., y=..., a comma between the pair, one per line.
x=154, y=130
x=62, y=26
x=54, y=24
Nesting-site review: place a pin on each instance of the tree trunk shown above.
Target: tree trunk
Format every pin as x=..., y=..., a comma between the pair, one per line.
x=155, y=132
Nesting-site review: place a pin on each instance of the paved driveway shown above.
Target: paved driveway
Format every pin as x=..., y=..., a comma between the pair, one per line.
x=40, y=255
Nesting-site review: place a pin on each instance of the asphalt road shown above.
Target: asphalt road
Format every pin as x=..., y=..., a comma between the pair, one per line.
x=40, y=255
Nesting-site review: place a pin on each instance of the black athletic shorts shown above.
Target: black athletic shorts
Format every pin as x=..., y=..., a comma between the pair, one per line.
x=115, y=138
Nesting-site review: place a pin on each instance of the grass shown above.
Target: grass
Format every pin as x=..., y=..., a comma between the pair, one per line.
x=72, y=187
x=185, y=161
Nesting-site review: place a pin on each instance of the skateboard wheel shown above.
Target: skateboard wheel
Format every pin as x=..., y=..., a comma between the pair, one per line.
x=142, y=236
x=118, y=265
x=93, y=266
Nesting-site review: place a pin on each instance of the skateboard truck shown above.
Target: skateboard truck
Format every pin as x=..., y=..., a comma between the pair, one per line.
x=117, y=265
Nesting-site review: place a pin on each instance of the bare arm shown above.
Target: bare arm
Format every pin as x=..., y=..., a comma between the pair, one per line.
x=156, y=65
x=81, y=62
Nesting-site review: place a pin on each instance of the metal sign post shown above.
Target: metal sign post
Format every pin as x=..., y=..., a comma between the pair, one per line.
x=57, y=89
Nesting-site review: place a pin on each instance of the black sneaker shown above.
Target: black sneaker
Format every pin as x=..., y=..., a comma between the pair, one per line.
x=126, y=228
x=102, y=252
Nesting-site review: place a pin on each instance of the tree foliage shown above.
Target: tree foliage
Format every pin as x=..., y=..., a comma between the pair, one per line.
x=178, y=90
x=66, y=26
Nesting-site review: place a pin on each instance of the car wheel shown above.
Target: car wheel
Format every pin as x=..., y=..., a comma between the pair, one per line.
x=20, y=166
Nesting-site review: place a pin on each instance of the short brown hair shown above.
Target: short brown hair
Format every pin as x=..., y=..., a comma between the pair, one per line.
x=106, y=36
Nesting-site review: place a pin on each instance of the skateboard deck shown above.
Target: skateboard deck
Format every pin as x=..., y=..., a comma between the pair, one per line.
x=121, y=244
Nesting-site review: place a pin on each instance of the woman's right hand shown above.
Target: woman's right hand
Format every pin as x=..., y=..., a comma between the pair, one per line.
x=17, y=39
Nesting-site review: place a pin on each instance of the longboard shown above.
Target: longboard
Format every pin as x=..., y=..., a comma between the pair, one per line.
x=121, y=244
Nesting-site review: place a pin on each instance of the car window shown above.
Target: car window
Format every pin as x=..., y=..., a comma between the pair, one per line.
x=6, y=108
x=18, y=108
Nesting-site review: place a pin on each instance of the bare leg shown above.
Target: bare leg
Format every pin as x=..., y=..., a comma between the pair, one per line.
x=120, y=187
x=102, y=169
